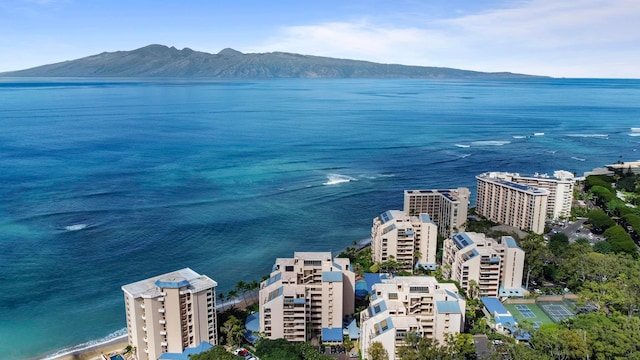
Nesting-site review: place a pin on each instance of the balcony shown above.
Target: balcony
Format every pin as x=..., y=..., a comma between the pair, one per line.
x=162, y=321
x=163, y=333
x=142, y=305
x=161, y=310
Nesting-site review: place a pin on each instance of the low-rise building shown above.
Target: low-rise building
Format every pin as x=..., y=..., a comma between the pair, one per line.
x=309, y=295
x=448, y=208
x=496, y=266
x=409, y=239
x=410, y=304
x=170, y=313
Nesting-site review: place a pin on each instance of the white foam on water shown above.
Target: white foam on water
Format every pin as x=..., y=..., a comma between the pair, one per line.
x=538, y=134
x=76, y=227
x=577, y=158
x=635, y=129
x=520, y=136
x=589, y=135
x=462, y=145
x=635, y=134
x=462, y=156
x=490, y=143
x=120, y=334
x=334, y=179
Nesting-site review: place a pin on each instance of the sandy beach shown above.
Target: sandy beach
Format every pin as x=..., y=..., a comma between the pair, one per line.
x=95, y=352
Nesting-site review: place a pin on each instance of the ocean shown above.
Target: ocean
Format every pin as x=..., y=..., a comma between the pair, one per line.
x=109, y=181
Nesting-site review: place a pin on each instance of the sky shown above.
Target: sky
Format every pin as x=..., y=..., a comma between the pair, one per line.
x=576, y=38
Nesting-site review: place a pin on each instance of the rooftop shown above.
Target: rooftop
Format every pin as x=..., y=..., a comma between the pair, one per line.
x=183, y=278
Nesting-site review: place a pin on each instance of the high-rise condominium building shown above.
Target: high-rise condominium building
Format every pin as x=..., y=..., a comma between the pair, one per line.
x=170, y=312
x=406, y=238
x=411, y=304
x=559, y=186
x=447, y=208
x=510, y=203
x=496, y=266
x=306, y=296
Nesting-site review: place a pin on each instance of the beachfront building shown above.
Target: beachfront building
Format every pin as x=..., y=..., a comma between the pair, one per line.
x=410, y=304
x=510, y=203
x=496, y=266
x=559, y=187
x=410, y=240
x=447, y=208
x=170, y=313
x=307, y=296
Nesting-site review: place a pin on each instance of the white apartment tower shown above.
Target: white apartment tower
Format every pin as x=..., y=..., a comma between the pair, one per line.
x=170, y=312
x=559, y=186
x=405, y=237
x=495, y=265
x=405, y=304
x=447, y=208
x=307, y=295
x=510, y=203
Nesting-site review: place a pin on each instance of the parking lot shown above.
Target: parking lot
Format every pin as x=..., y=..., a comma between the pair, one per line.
x=575, y=230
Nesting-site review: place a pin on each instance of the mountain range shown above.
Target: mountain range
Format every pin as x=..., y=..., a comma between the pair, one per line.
x=163, y=61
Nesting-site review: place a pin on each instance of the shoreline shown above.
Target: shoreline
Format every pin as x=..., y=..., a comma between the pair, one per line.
x=92, y=352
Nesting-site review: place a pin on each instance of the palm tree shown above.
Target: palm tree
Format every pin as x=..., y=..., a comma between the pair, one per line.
x=241, y=287
x=232, y=296
x=221, y=299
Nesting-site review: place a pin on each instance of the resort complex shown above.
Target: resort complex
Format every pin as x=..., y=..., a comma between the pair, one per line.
x=170, y=313
x=402, y=290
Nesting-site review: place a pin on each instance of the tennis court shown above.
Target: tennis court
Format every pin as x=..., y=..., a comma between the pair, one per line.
x=556, y=312
x=525, y=311
x=528, y=313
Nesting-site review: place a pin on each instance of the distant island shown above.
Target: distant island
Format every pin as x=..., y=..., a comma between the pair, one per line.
x=164, y=61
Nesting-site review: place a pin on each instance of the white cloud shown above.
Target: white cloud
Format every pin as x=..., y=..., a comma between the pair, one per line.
x=585, y=38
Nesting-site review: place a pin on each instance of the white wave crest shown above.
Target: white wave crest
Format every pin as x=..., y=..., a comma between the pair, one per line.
x=116, y=335
x=538, y=134
x=75, y=227
x=519, y=137
x=334, y=179
x=635, y=129
x=589, y=135
x=462, y=145
x=577, y=158
x=462, y=156
x=635, y=134
x=490, y=143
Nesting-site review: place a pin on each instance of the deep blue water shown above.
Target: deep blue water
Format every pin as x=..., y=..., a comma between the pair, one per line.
x=108, y=182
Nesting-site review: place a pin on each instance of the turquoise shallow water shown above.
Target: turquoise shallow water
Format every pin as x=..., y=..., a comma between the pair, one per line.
x=101, y=179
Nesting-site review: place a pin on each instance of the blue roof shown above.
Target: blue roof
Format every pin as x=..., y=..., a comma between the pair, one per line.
x=426, y=218
x=273, y=279
x=470, y=254
x=252, y=326
x=450, y=307
x=386, y=216
x=332, y=276
x=373, y=279
x=377, y=308
x=354, y=330
x=507, y=321
x=462, y=240
x=511, y=242
x=172, y=284
x=494, y=306
x=204, y=346
x=384, y=325
x=337, y=266
x=452, y=294
x=332, y=334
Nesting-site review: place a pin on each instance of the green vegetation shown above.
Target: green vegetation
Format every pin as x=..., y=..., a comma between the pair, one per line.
x=281, y=349
x=459, y=346
x=217, y=353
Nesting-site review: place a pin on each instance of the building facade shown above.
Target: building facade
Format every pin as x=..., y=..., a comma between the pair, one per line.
x=307, y=296
x=510, y=203
x=410, y=304
x=447, y=208
x=496, y=266
x=170, y=312
x=559, y=186
x=409, y=239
